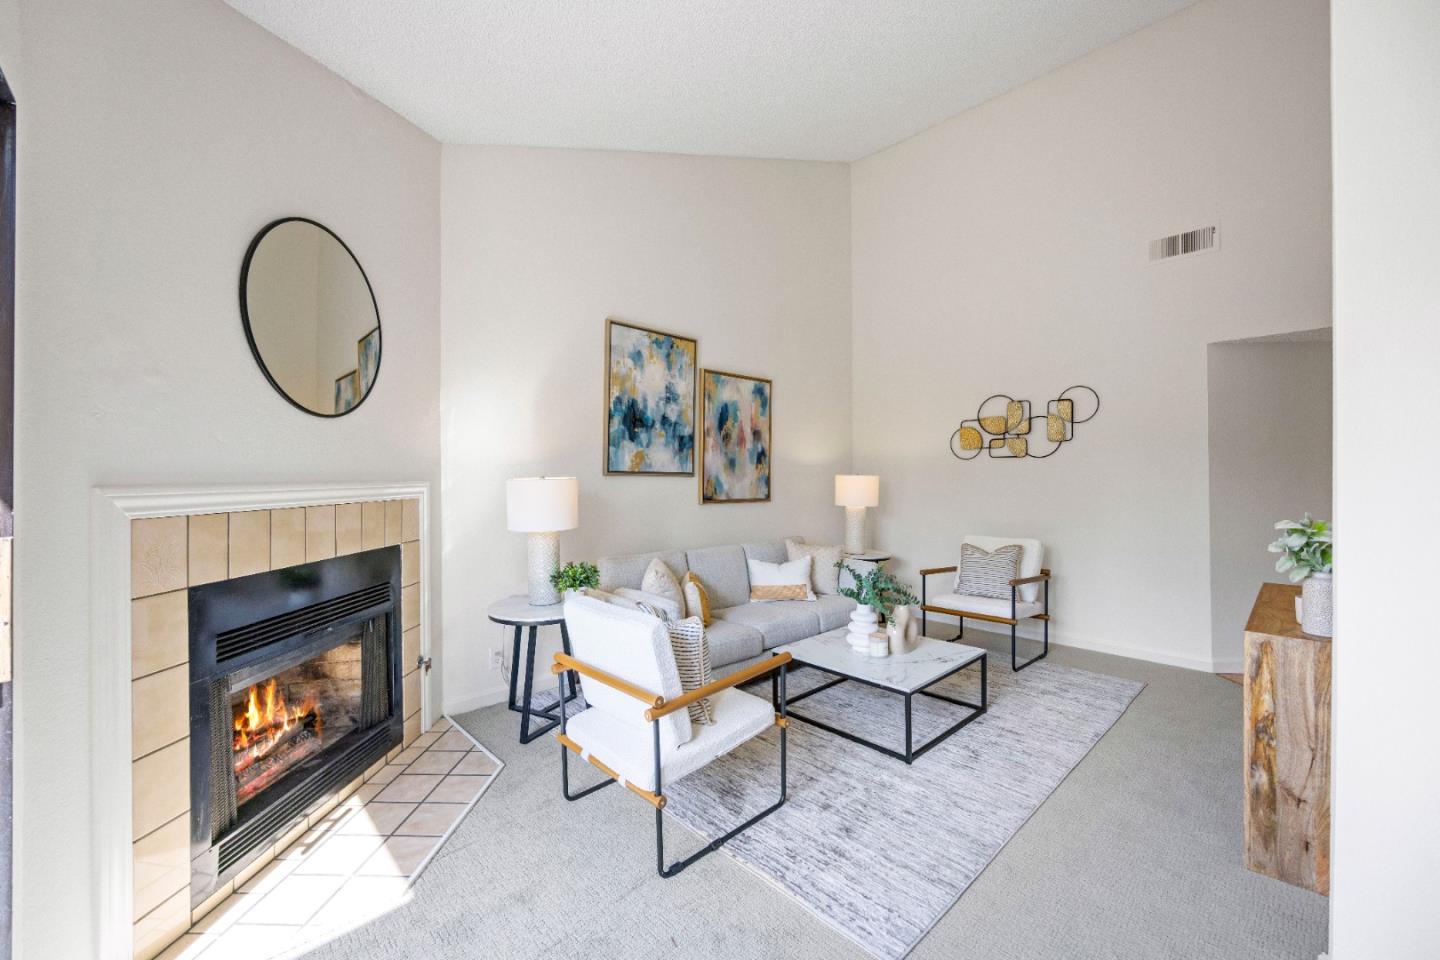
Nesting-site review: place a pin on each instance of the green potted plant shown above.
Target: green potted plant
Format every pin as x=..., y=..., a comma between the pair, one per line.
x=1307, y=557
x=575, y=576
x=876, y=593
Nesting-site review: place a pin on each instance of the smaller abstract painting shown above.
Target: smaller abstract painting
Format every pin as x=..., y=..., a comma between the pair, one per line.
x=735, y=452
x=649, y=402
x=347, y=391
x=368, y=356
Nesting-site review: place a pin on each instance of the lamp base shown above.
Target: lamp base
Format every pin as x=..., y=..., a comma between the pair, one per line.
x=854, y=530
x=542, y=553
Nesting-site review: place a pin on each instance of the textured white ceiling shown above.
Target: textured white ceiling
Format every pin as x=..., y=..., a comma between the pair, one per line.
x=799, y=79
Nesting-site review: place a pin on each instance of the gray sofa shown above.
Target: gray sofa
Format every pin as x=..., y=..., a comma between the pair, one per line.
x=740, y=632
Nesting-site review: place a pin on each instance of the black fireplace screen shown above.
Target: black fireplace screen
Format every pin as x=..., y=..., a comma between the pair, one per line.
x=294, y=691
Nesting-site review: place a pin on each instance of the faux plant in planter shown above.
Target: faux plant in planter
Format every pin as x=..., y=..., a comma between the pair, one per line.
x=576, y=575
x=877, y=589
x=1307, y=557
x=1306, y=547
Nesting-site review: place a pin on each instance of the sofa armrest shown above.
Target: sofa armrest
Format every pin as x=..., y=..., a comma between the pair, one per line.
x=666, y=707
x=564, y=662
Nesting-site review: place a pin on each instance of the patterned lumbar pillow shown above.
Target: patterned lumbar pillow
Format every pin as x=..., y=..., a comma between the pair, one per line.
x=988, y=574
x=662, y=607
x=824, y=574
x=780, y=581
x=692, y=659
x=697, y=601
x=660, y=580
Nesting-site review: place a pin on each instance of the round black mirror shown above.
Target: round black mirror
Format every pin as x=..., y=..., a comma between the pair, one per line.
x=310, y=317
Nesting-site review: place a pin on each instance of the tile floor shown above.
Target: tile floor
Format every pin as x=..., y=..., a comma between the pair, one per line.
x=355, y=864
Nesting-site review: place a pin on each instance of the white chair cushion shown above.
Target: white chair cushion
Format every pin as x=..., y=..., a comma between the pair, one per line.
x=990, y=606
x=738, y=717
x=1030, y=564
x=635, y=647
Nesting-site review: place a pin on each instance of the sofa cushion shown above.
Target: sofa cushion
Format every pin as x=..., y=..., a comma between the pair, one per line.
x=628, y=570
x=722, y=570
x=777, y=622
x=730, y=642
x=834, y=612
x=824, y=560
x=770, y=551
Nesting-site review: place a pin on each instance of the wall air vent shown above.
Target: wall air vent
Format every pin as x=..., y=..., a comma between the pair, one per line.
x=1202, y=240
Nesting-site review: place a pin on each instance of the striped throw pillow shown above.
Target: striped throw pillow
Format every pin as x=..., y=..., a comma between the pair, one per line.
x=988, y=574
x=692, y=658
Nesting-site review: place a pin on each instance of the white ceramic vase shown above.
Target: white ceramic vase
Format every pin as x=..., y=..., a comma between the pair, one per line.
x=863, y=622
x=1317, y=607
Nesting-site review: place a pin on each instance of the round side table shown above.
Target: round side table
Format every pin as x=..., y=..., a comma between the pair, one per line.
x=518, y=612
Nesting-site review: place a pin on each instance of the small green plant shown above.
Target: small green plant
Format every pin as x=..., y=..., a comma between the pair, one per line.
x=575, y=576
x=1306, y=547
x=876, y=589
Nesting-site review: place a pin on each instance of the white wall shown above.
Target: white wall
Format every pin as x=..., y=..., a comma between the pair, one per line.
x=1005, y=251
x=1270, y=460
x=539, y=247
x=155, y=139
x=1386, y=838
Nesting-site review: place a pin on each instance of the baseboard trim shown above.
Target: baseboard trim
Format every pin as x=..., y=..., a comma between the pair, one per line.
x=1202, y=664
x=474, y=701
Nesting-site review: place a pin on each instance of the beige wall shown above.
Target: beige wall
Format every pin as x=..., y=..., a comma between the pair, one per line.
x=1386, y=839
x=539, y=247
x=1006, y=251
x=1270, y=429
x=155, y=139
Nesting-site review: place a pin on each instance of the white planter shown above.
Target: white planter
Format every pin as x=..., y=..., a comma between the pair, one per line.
x=1317, y=608
x=863, y=622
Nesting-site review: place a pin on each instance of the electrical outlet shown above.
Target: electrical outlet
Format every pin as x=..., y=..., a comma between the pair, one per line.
x=497, y=659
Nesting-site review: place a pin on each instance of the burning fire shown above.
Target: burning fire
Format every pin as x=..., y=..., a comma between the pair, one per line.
x=264, y=721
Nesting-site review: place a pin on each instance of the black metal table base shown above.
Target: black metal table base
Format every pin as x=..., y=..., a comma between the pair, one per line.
x=912, y=752
x=525, y=705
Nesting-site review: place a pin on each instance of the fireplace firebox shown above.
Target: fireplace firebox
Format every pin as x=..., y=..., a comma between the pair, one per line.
x=294, y=691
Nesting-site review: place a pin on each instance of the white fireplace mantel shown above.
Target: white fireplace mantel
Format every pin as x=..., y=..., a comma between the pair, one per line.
x=111, y=511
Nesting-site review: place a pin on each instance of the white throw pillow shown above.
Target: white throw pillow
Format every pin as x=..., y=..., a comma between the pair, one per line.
x=667, y=609
x=780, y=581
x=660, y=580
x=824, y=575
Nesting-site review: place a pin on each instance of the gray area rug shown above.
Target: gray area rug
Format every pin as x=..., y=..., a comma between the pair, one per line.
x=880, y=850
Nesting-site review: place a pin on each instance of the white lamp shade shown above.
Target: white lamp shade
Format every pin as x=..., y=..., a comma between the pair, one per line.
x=857, y=490
x=542, y=504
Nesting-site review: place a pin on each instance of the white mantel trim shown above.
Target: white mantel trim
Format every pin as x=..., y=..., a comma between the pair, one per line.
x=111, y=510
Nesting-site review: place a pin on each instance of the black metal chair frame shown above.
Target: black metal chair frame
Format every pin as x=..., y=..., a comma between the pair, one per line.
x=656, y=711
x=1044, y=616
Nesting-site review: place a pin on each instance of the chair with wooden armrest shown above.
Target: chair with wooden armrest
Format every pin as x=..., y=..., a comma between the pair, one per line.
x=631, y=683
x=1029, y=596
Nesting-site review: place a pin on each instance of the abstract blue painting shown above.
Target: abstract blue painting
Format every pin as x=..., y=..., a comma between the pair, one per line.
x=649, y=401
x=735, y=453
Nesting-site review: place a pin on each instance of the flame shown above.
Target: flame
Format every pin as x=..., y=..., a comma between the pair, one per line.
x=264, y=718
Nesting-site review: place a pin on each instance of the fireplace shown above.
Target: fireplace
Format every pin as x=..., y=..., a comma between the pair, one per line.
x=294, y=691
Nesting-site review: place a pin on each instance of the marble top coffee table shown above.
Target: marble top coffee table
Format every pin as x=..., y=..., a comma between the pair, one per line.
x=907, y=674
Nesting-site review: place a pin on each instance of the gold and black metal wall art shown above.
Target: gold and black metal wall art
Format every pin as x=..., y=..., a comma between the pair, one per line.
x=1004, y=428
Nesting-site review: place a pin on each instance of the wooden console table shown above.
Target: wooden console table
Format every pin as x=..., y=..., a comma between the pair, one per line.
x=1287, y=744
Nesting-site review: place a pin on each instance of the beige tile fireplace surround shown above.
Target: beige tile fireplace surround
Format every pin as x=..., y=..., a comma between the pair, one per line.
x=168, y=555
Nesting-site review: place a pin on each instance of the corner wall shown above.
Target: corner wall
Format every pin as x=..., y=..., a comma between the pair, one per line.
x=1385, y=841
x=155, y=139
x=1270, y=460
x=1005, y=251
x=539, y=247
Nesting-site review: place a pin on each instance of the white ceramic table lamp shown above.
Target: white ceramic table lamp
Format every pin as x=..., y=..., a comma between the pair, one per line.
x=855, y=492
x=541, y=507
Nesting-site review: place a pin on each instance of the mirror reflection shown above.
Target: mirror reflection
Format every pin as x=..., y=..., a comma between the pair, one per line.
x=310, y=317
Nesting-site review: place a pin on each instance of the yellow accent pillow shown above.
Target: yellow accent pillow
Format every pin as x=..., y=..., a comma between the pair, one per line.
x=696, y=599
